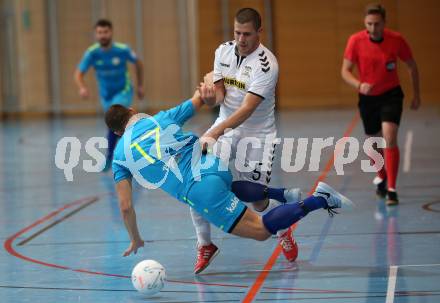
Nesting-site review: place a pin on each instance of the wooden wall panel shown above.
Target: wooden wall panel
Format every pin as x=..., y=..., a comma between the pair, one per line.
x=31, y=39
x=310, y=39
x=162, y=53
x=210, y=33
x=122, y=15
x=75, y=35
x=305, y=36
x=419, y=21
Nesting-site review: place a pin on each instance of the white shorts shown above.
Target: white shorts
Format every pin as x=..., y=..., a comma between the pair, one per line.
x=250, y=156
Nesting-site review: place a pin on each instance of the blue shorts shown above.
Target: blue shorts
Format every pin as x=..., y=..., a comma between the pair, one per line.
x=212, y=198
x=124, y=97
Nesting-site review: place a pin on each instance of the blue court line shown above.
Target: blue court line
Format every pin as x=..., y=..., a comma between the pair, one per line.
x=373, y=293
x=116, y=290
x=423, y=232
x=326, y=227
x=327, y=298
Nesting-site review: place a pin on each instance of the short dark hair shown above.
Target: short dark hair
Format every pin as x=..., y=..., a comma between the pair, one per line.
x=375, y=9
x=248, y=14
x=117, y=117
x=104, y=23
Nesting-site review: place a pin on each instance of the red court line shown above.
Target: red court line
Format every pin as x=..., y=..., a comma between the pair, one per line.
x=11, y=250
x=56, y=222
x=8, y=245
x=255, y=288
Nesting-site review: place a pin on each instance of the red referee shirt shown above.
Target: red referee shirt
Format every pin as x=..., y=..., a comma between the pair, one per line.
x=377, y=61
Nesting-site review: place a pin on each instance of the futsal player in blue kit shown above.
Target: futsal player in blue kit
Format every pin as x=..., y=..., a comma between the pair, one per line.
x=157, y=153
x=109, y=59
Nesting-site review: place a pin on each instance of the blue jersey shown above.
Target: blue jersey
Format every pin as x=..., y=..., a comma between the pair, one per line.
x=110, y=66
x=157, y=152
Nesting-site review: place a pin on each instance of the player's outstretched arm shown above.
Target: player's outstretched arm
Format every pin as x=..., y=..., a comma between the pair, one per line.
x=249, y=105
x=79, y=80
x=218, y=90
x=347, y=75
x=197, y=101
x=123, y=189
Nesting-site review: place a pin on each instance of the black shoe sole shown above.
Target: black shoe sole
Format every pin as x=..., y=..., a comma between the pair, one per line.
x=392, y=202
x=392, y=199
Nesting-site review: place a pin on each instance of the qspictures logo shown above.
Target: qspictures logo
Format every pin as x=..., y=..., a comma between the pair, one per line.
x=166, y=147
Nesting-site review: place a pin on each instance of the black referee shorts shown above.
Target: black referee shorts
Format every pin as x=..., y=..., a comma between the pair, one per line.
x=382, y=108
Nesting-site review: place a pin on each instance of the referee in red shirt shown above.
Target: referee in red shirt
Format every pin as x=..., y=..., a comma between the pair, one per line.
x=375, y=51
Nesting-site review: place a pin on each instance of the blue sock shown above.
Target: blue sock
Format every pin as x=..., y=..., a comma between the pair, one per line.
x=250, y=192
x=285, y=215
x=112, y=139
x=276, y=193
x=313, y=203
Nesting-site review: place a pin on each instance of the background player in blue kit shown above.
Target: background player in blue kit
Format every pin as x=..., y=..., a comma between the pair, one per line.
x=109, y=59
x=158, y=154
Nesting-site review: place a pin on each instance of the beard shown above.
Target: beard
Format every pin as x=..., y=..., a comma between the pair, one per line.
x=375, y=35
x=104, y=42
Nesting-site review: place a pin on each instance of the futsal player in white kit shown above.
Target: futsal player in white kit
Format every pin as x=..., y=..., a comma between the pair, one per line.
x=243, y=85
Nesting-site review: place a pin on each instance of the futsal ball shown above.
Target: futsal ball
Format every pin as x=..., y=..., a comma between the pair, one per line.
x=148, y=277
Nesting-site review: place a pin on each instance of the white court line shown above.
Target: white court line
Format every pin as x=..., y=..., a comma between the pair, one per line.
x=419, y=265
x=408, y=147
x=392, y=277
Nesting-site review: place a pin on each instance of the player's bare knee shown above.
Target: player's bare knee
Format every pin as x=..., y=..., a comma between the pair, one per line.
x=262, y=236
x=260, y=232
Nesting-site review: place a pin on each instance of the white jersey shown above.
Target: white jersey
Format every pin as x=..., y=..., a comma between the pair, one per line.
x=257, y=74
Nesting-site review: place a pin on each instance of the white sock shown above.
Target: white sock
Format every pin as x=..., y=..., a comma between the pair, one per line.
x=377, y=180
x=202, y=227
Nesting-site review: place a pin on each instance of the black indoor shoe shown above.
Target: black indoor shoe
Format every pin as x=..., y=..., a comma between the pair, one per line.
x=392, y=198
x=381, y=189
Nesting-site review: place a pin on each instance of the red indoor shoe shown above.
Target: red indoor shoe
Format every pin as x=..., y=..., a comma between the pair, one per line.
x=289, y=246
x=205, y=254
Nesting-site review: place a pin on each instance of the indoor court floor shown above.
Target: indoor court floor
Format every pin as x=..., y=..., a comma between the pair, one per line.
x=63, y=241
